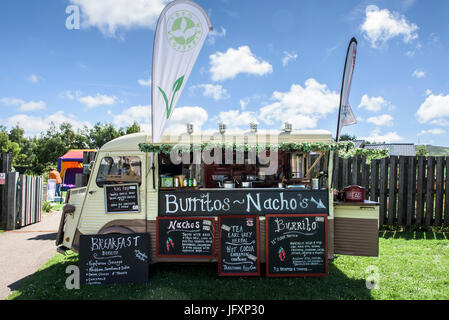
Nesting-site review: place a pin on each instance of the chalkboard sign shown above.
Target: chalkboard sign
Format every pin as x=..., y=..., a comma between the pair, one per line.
x=122, y=198
x=185, y=237
x=296, y=245
x=216, y=202
x=239, y=246
x=114, y=258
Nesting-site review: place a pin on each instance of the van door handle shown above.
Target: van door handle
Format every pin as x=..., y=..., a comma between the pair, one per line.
x=92, y=191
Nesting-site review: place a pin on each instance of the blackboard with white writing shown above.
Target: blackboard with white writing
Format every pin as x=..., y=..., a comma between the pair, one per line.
x=185, y=237
x=114, y=258
x=122, y=198
x=180, y=203
x=239, y=246
x=296, y=245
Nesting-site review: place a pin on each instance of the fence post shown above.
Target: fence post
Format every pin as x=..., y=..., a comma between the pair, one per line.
x=430, y=190
x=354, y=170
x=411, y=191
x=439, y=192
x=374, y=177
x=346, y=172
x=421, y=188
x=11, y=201
x=392, y=190
x=383, y=191
x=402, y=191
x=446, y=202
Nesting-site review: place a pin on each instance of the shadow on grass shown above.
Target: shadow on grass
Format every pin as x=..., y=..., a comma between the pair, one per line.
x=192, y=281
x=414, y=235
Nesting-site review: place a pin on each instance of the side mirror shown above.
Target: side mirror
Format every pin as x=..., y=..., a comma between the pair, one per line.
x=91, y=165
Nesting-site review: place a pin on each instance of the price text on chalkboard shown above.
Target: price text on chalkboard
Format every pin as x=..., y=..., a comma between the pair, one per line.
x=296, y=245
x=122, y=198
x=114, y=258
x=185, y=237
x=239, y=246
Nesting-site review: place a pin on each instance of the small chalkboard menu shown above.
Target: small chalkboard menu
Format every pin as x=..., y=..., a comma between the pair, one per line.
x=185, y=237
x=122, y=198
x=238, y=253
x=114, y=258
x=296, y=245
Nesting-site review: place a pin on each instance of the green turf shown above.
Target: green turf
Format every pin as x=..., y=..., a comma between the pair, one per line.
x=411, y=265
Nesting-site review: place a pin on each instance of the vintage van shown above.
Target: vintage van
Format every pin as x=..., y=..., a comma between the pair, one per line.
x=352, y=227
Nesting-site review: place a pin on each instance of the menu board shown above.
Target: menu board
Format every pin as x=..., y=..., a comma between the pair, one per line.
x=296, y=245
x=185, y=237
x=217, y=202
x=122, y=198
x=239, y=246
x=114, y=258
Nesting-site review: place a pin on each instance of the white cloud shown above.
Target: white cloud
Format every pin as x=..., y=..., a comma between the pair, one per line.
x=145, y=82
x=139, y=113
x=418, y=74
x=373, y=103
x=382, y=25
x=382, y=120
x=434, y=109
x=302, y=106
x=217, y=92
x=216, y=34
x=34, y=78
x=110, y=16
x=177, y=124
x=34, y=125
x=388, y=137
x=237, y=119
x=288, y=57
x=33, y=106
x=432, y=131
x=234, y=61
x=98, y=100
x=244, y=102
x=184, y=115
x=24, y=105
x=68, y=94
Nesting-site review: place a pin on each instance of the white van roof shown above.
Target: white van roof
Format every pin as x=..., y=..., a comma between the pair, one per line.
x=131, y=142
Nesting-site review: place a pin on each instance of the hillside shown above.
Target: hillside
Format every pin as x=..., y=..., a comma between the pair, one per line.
x=437, y=151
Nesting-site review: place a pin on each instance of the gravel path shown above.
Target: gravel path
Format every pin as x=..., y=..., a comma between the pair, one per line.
x=24, y=251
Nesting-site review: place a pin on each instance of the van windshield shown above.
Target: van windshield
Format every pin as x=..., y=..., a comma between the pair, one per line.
x=119, y=169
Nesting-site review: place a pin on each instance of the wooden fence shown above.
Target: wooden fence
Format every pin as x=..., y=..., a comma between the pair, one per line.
x=22, y=204
x=412, y=191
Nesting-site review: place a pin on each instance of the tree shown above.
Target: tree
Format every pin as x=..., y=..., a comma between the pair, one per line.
x=347, y=137
x=27, y=155
x=421, y=151
x=101, y=134
x=8, y=146
x=134, y=128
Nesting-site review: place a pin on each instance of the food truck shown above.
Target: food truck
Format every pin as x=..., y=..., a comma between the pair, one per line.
x=139, y=187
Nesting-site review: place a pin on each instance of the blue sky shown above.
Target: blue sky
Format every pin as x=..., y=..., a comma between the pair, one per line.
x=266, y=61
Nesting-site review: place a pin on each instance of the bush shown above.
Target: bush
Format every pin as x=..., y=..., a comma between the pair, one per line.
x=46, y=206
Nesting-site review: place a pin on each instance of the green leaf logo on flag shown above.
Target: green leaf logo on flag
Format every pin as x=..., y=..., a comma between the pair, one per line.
x=176, y=87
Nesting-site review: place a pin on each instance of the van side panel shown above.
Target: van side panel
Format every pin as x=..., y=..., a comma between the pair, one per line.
x=71, y=220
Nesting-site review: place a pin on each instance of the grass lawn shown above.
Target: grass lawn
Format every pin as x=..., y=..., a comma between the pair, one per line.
x=412, y=265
